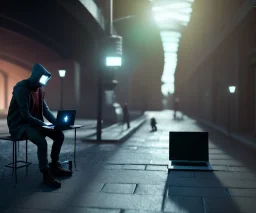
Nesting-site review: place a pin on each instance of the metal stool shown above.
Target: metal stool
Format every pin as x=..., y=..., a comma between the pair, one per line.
x=13, y=165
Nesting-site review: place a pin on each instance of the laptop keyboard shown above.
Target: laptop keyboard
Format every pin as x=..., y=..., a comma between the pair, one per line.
x=189, y=164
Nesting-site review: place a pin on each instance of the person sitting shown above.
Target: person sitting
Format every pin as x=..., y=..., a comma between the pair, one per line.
x=25, y=119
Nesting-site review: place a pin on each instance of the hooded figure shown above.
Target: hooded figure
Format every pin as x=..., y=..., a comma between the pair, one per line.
x=25, y=119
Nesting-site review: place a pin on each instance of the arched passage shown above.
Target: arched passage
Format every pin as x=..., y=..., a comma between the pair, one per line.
x=10, y=74
x=2, y=93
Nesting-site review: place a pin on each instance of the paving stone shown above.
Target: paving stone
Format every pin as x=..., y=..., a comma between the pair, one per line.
x=112, y=166
x=119, y=188
x=232, y=183
x=239, y=169
x=131, y=176
x=173, y=173
x=122, y=201
x=194, y=182
x=245, y=204
x=242, y=192
x=235, y=175
x=16, y=210
x=134, y=167
x=138, y=211
x=43, y=200
x=220, y=205
x=157, y=168
x=183, y=204
x=150, y=189
x=221, y=168
x=215, y=151
x=226, y=162
x=88, y=210
x=219, y=157
x=197, y=191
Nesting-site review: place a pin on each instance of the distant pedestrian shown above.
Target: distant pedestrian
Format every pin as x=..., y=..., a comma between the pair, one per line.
x=153, y=124
x=176, y=108
x=126, y=115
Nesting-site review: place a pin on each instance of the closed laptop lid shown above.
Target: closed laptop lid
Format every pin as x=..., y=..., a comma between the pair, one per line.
x=66, y=117
x=188, y=146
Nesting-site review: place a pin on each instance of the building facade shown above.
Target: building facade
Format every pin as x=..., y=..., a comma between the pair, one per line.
x=217, y=50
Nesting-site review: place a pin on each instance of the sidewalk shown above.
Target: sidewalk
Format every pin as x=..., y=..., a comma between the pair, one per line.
x=132, y=177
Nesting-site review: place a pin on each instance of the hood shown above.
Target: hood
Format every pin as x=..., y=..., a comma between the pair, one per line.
x=37, y=72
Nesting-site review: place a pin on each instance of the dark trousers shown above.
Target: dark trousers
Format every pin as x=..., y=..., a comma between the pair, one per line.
x=154, y=128
x=127, y=122
x=37, y=136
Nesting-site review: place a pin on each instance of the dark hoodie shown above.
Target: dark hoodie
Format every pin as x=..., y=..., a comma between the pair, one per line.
x=19, y=115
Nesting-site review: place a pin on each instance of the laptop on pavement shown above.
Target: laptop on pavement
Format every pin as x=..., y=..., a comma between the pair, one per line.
x=65, y=120
x=189, y=151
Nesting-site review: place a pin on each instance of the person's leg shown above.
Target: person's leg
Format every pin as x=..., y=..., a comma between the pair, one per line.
x=38, y=138
x=128, y=123
x=58, y=137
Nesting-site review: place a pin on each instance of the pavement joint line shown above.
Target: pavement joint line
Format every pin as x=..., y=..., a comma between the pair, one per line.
x=166, y=187
x=228, y=192
x=136, y=186
x=204, y=205
x=103, y=187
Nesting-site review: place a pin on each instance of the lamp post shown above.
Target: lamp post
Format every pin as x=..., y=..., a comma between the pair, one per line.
x=111, y=58
x=62, y=74
x=232, y=90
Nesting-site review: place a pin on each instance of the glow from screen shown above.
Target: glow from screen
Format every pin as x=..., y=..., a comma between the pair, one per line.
x=66, y=119
x=43, y=80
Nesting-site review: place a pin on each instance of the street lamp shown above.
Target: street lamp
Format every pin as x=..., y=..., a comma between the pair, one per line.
x=62, y=74
x=111, y=54
x=112, y=59
x=232, y=90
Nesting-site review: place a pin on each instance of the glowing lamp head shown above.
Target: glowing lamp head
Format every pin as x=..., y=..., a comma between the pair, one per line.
x=113, y=61
x=62, y=73
x=44, y=79
x=232, y=89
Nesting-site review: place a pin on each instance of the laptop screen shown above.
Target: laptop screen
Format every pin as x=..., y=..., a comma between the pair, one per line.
x=192, y=146
x=66, y=117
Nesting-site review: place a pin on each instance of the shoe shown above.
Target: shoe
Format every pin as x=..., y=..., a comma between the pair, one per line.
x=49, y=180
x=58, y=170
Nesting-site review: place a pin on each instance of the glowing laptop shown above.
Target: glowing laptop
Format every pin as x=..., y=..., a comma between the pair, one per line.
x=189, y=151
x=65, y=120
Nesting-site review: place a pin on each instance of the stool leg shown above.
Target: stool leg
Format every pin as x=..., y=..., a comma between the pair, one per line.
x=75, y=150
x=26, y=151
x=13, y=153
x=27, y=156
x=15, y=159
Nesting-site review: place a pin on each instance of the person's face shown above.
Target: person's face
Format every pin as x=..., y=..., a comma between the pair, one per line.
x=43, y=80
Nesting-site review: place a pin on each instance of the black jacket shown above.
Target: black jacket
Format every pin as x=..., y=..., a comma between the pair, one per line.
x=19, y=114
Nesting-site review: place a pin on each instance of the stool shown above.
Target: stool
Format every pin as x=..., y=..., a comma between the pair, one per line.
x=13, y=165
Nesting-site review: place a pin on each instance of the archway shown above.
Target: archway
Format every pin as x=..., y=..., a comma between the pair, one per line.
x=2, y=93
x=10, y=74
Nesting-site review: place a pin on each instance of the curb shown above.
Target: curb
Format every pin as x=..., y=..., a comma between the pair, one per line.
x=141, y=121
